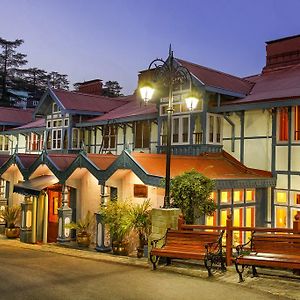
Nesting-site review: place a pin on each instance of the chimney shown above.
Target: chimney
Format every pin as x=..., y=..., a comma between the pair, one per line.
x=93, y=87
x=282, y=53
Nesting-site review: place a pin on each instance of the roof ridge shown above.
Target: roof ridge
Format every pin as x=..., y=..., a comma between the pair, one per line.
x=218, y=71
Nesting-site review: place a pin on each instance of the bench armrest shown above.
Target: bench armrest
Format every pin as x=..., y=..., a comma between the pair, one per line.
x=154, y=242
x=215, y=246
x=240, y=248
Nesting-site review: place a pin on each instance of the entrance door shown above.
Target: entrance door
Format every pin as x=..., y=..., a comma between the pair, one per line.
x=54, y=203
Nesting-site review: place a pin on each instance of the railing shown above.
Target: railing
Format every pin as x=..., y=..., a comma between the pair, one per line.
x=230, y=229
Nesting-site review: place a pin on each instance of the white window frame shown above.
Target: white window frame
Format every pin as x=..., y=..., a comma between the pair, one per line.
x=3, y=143
x=56, y=139
x=215, y=116
x=54, y=104
x=180, y=132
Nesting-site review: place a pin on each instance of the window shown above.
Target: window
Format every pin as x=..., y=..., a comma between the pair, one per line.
x=140, y=191
x=296, y=200
x=281, y=197
x=214, y=129
x=66, y=122
x=250, y=195
x=4, y=143
x=2, y=188
x=56, y=139
x=180, y=130
x=283, y=124
x=76, y=138
x=55, y=108
x=198, y=132
x=180, y=107
x=34, y=142
x=225, y=197
x=109, y=137
x=296, y=121
x=280, y=217
x=238, y=195
x=142, y=134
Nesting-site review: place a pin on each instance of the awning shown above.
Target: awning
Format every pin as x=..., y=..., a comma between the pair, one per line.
x=34, y=186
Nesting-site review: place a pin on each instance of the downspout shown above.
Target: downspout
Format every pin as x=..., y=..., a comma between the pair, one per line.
x=232, y=132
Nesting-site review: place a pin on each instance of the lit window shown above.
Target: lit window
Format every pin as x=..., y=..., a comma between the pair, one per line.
x=283, y=133
x=281, y=197
x=198, y=133
x=238, y=217
x=296, y=199
x=238, y=196
x=180, y=130
x=250, y=195
x=225, y=197
x=280, y=217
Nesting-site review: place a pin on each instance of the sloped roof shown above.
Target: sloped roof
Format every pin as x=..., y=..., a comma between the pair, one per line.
x=86, y=102
x=4, y=158
x=218, y=79
x=15, y=116
x=276, y=85
x=133, y=108
x=102, y=161
x=62, y=161
x=213, y=165
x=39, y=123
x=27, y=159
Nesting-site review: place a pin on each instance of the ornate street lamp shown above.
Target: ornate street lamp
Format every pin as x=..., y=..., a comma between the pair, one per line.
x=169, y=75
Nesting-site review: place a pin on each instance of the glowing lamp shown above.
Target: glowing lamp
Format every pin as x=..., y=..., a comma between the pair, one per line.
x=146, y=93
x=191, y=102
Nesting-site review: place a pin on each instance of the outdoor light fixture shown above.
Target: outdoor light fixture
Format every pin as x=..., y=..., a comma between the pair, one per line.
x=170, y=74
x=146, y=93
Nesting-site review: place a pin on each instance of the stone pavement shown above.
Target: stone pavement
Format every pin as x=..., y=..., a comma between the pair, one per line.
x=277, y=283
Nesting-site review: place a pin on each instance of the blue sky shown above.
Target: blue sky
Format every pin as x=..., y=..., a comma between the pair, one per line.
x=114, y=39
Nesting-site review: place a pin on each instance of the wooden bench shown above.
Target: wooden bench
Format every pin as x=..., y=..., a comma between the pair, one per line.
x=189, y=244
x=269, y=250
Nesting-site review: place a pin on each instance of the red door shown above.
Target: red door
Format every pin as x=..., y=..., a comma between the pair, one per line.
x=54, y=203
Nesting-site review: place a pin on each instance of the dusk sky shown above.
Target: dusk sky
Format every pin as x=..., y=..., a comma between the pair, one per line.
x=114, y=39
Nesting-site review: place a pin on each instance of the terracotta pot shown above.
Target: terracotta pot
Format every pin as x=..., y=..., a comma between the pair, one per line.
x=83, y=239
x=12, y=233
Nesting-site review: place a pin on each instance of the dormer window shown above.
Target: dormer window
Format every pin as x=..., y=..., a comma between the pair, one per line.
x=55, y=108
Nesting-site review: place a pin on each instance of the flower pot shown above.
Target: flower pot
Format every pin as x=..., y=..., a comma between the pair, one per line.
x=83, y=239
x=12, y=233
x=120, y=248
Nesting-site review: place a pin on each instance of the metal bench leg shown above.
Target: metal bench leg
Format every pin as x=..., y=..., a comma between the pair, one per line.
x=254, y=272
x=208, y=264
x=153, y=260
x=240, y=272
x=168, y=261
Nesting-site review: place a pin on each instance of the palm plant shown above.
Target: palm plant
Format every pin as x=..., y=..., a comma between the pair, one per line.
x=83, y=226
x=11, y=215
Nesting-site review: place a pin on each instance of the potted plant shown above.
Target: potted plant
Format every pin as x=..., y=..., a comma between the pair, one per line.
x=11, y=217
x=83, y=229
x=116, y=214
x=141, y=222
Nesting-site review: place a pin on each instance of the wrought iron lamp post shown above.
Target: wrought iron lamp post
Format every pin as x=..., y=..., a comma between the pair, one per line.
x=170, y=75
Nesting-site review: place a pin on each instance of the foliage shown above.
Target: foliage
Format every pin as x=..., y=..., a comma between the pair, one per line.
x=140, y=216
x=116, y=214
x=191, y=192
x=112, y=89
x=84, y=225
x=58, y=81
x=11, y=215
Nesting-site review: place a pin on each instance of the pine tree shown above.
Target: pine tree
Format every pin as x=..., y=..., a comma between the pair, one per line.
x=58, y=81
x=112, y=89
x=10, y=61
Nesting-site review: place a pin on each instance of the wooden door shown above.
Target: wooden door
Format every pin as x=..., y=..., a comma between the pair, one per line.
x=53, y=204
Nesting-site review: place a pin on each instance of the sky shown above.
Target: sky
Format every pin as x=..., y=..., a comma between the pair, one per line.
x=115, y=39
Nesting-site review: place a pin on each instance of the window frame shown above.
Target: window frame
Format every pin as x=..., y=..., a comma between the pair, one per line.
x=56, y=139
x=215, y=117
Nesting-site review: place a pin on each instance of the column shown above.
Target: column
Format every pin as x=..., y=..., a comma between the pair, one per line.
x=103, y=241
x=64, y=217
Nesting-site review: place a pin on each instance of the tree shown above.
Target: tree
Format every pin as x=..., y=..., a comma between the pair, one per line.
x=10, y=61
x=35, y=80
x=191, y=192
x=112, y=89
x=58, y=81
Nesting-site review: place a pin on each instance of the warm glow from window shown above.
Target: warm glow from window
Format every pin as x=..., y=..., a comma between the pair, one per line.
x=250, y=195
x=281, y=197
x=225, y=197
x=283, y=125
x=223, y=217
x=296, y=199
x=281, y=217
x=238, y=196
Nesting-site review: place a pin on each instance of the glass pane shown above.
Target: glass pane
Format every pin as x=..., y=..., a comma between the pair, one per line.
x=296, y=199
x=238, y=196
x=211, y=129
x=250, y=220
x=297, y=123
x=280, y=217
x=175, y=130
x=185, y=130
x=223, y=216
x=283, y=125
x=281, y=197
x=250, y=195
x=237, y=221
x=225, y=197
x=218, y=129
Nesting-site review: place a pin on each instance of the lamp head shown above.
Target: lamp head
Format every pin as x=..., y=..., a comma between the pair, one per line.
x=147, y=92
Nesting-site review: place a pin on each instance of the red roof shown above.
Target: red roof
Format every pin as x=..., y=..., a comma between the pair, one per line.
x=274, y=85
x=134, y=107
x=213, y=165
x=35, y=124
x=62, y=161
x=87, y=102
x=4, y=158
x=102, y=161
x=218, y=79
x=27, y=159
x=15, y=116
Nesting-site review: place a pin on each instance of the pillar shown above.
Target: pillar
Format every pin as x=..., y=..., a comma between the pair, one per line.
x=103, y=241
x=64, y=217
x=26, y=220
